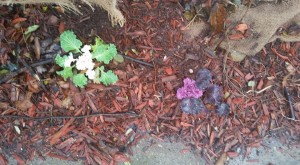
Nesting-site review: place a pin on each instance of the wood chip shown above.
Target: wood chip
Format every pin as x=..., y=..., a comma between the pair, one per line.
x=168, y=78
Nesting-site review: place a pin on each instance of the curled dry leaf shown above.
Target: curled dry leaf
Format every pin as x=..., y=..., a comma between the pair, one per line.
x=61, y=27
x=290, y=68
x=33, y=84
x=67, y=102
x=18, y=20
x=242, y=27
x=24, y=104
x=37, y=48
x=217, y=18
x=236, y=36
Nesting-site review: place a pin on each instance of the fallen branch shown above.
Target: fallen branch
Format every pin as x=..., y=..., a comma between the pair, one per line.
x=137, y=61
x=21, y=70
x=43, y=62
x=120, y=115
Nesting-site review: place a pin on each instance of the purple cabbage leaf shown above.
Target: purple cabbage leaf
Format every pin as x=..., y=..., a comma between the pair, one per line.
x=189, y=90
x=223, y=109
x=192, y=106
x=213, y=95
x=203, y=78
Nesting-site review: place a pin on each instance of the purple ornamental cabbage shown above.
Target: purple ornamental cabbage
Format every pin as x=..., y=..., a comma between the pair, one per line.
x=192, y=106
x=203, y=78
x=189, y=90
x=223, y=109
x=213, y=95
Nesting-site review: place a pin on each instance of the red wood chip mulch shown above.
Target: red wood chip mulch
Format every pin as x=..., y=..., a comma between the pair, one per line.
x=144, y=101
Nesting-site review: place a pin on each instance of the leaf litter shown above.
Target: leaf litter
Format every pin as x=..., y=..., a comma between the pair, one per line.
x=144, y=99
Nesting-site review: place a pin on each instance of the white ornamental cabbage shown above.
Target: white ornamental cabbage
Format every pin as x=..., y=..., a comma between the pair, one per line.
x=86, y=49
x=85, y=61
x=91, y=74
x=69, y=60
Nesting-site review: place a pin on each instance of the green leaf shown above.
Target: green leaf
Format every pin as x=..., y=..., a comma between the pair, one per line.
x=105, y=53
x=251, y=83
x=80, y=80
x=31, y=29
x=119, y=58
x=69, y=42
x=66, y=73
x=3, y=72
x=97, y=76
x=108, y=77
x=60, y=60
x=98, y=42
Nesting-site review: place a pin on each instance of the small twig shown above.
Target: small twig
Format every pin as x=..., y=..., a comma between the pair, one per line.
x=137, y=61
x=36, y=76
x=121, y=115
x=291, y=102
x=193, y=19
x=287, y=117
x=21, y=70
x=258, y=92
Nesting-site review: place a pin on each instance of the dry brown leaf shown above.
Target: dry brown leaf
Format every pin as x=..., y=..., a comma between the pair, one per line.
x=37, y=48
x=18, y=20
x=24, y=104
x=66, y=103
x=221, y=160
x=217, y=18
x=61, y=27
x=242, y=27
x=33, y=84
x=77, y=99
x=290, y=68
x=168, y=78
x=236, y=36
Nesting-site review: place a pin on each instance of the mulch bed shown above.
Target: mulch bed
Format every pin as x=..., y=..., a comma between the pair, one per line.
x=143, y=101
